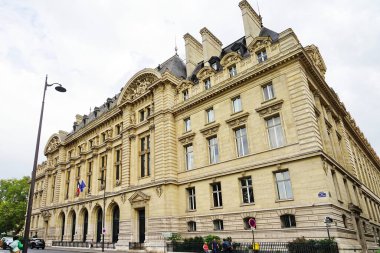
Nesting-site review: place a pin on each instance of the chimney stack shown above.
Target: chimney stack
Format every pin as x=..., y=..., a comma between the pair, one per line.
x=212, y=46
x=252, y=22
x=78, y=118
x=193, y=53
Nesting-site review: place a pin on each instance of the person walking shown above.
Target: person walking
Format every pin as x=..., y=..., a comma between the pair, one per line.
x=15, y=245
x=214, y=246
x=205, y=247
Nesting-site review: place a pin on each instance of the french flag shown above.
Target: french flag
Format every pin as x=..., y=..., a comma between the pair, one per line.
x=80, y=187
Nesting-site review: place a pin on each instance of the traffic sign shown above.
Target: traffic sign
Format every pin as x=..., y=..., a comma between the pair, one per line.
x=252, y=223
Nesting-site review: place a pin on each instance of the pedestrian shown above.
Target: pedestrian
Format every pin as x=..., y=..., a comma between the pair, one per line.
x=214, y=246
x=15, y=245
x=205, y=247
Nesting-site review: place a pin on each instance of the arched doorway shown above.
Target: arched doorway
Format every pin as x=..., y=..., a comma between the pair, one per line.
x=99, y=225
x=73, y=222
x=115, y=224
x=85, y=225
x=62, y=225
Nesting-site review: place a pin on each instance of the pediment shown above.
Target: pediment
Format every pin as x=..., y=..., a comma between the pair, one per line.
x=53, y=143
x=316, y=57
x=139, y=84
x=205, y=72
x=138, y=196
x=230, y=59
x=259, y=43
x=184, y=85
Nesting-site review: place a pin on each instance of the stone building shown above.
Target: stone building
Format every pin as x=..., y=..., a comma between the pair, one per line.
x=247, y=130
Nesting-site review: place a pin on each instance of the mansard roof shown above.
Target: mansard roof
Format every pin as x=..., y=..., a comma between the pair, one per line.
x=174, y=65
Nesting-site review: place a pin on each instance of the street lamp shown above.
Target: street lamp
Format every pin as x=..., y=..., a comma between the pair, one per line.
x=31, y=190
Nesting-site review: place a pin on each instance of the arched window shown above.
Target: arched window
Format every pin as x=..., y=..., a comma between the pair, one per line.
x=99, y=225
x=115, y=224
x=191, y=226
x=85, y=225
x=288, y=221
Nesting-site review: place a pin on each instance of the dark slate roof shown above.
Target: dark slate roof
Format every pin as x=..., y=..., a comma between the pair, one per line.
x=175, y=66
x=265, y=32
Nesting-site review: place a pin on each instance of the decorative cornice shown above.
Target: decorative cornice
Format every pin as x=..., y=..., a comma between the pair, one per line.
x=270, y=108
x=237, y=120
x=186, y=138
x=210, y=130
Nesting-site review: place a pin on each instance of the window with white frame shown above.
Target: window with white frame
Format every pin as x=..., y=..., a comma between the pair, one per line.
x=236, y=104
x=187, y=124
x=284, y=187
x=288, y=221
x=210, y=115
x=185, y=94
x=215, y=66
x=275, y=132
x=232, y=70
x=217, y=194
x=218, y=224
x=192, y=205
x=268, y=91
x=207, y=84
x=247, y=190
x=189, y=156
x=145, y=156
x=262, y=56
x=191, y=226
x=241, y=141
x=213, y=149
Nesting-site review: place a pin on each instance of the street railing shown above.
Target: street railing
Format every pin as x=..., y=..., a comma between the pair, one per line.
x=107, y=245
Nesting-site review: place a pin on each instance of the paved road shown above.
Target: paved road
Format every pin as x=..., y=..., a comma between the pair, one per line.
x=48, y=251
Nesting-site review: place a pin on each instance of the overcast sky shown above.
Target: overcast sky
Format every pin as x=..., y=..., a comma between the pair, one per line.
x=93, y=47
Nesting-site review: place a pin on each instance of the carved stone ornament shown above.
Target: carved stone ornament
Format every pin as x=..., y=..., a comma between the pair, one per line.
x=53, y=144
x=139, y=197
x=259, y=43
x=230, y=59
x=46, y=215
x=238, y=120
x=139, y=86
x=187, y=138
x=123, y=197
x=159, y=191
x=270, y=108
x=313, y=52
x=184, y=85
x=118, y=182
x=210, y=130
x=205, y=72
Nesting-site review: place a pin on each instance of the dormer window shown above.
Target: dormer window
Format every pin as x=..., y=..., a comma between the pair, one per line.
x=262, y=56
x=207, y=83
x=232, y=70
x=185, y=94
x=214, y=66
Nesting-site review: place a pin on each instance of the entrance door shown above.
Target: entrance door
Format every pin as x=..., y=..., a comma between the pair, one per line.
x=63, y=227
x=73, y=227
x=99, y=226
x=85, y=226
x=141, y=225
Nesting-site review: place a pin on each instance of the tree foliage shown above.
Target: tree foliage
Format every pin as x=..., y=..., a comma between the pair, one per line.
x=13, y=203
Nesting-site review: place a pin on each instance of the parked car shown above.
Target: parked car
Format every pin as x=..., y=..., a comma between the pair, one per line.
x=37, y=243
x=6, y=241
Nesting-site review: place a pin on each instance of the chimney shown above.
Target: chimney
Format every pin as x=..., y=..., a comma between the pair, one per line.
x=252, y=22
x=193, y=53
x=212, y=46
x=78, y=119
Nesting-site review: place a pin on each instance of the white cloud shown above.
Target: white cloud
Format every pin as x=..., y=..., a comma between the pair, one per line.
x=93, y=47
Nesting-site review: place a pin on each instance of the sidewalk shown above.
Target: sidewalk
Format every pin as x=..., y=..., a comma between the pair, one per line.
x=85, y=250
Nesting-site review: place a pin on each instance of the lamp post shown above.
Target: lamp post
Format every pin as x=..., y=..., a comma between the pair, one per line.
x=103, y=182
x=33, y=180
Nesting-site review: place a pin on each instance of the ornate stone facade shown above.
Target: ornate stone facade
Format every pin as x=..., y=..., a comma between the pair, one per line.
x=266, y=138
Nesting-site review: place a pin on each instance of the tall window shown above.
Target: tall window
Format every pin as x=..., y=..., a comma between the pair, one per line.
x=191, y=197
x=275, y=133
x=103, y=137
x=102, y=171
x=207, y=84
x=261, y=56
x=214, y=66
x=191, y=226
x=213, y=150
x=284, y=187
x=67, y=184
x=142, y=115
x=89, y=173
x=189, y=157
x=210, y=115
x=236, y=104
x=217, y=194
x=268, y=91
x=218, y=224
x=117, y=165
x=241, y=141
x=187, y=124
x=232, y=70
x=247, y=190
x=145, y=156
x=336, y=185
x=185, y=94
x=118, y=129
x=288, y=221
x=53, y=188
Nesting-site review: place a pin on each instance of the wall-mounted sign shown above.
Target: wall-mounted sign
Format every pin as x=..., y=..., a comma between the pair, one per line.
x=322, y=194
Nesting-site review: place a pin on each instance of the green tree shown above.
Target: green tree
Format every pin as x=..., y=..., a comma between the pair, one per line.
x=13, y=202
